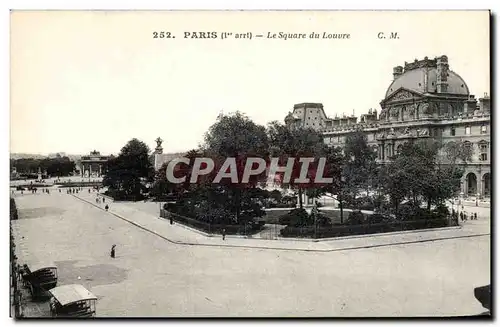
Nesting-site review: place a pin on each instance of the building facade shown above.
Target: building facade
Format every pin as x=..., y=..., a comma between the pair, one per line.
x=92, y=165
x=425, y=100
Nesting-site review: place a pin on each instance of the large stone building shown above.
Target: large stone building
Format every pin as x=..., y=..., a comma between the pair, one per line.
x=425, y=100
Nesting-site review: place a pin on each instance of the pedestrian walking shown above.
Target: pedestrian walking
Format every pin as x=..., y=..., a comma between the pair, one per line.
x=223, y=234
x=171, y=220
x=475, y=215
x=106, y=207
x=103, y=200
x=461, y=215
x=113, y=251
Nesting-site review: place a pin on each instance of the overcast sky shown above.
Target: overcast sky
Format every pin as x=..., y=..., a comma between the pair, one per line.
x=93, y=80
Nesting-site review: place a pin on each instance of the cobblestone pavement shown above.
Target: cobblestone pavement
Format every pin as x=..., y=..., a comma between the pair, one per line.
x=153, y=275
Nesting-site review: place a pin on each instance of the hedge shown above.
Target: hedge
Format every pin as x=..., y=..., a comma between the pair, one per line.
x=213, y=228
x=280, y=205
x=121, y=196
x=347, y=230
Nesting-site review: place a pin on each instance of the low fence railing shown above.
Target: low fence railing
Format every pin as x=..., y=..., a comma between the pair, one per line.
x=349, y=230
x=211, y=228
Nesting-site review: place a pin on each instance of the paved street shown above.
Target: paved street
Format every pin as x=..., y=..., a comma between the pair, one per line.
x=155, y=274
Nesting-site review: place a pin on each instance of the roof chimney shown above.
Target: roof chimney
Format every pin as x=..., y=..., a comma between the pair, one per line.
x=442, y=74
x=397, y=71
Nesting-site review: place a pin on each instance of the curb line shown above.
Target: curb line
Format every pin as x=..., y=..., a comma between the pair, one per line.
x=317, y=240
x=275, y=248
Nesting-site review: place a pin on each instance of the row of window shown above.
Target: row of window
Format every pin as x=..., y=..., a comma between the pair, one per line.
x=389, y=148
x=484, y=130
x=314, y=124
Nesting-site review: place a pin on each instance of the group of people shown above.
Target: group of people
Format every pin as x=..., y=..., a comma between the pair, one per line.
x=464, y=216
x=98, y=200
x=103, y=199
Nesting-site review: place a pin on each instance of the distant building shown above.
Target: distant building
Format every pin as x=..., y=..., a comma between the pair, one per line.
x=425, y=100
x=92, y=165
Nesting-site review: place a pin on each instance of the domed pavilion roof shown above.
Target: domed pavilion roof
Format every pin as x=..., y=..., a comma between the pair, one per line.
x=421, y=77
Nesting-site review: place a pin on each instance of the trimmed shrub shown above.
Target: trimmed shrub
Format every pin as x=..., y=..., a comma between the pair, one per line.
x=296, y=217
x=356, y=218
x=377, y=218
x=119, y=195
x=334, y=215
x=231, y=229
x=272, y=205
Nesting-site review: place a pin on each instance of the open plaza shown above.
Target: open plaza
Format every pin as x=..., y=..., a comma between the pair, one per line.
x=172, y=271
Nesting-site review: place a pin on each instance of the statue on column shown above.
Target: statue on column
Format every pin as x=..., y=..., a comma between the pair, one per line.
x=158, y=148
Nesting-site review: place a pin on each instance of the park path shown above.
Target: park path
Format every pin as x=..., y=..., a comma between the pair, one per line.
x=145, y=215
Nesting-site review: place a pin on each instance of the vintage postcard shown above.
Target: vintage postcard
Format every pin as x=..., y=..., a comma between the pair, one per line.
x=290, y=164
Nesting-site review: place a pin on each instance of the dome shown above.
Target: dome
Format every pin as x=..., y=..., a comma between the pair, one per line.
x=424, y=80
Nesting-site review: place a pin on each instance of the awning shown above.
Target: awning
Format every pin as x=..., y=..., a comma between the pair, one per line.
x=67, y=294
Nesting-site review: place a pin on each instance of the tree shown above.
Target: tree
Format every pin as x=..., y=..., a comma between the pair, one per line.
x=236, y=136
x=162, y=186
x=58, y=166
x=360, y=167
x=415, y=175
x=457, y=152
x=296, y=143
x=129, y=173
